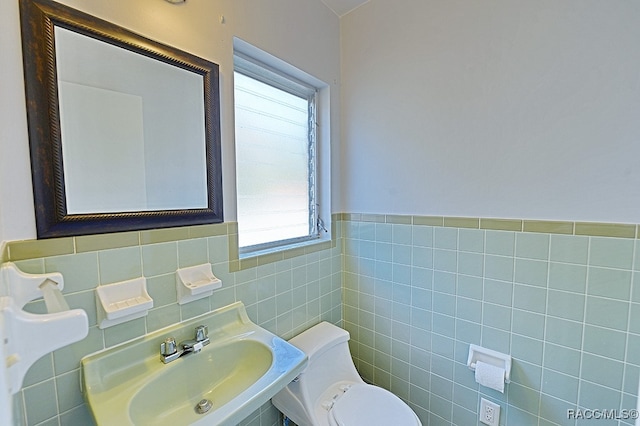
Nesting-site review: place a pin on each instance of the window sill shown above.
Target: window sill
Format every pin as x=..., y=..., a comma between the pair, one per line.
x=275, y=254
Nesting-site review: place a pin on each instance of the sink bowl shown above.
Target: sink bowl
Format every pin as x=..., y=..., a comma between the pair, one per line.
x=218, y=375
x=241, y=369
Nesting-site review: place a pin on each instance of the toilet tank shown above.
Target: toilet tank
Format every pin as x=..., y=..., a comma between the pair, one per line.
x=330, y=362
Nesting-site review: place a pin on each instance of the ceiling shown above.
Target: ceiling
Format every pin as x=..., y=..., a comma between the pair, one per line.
x=342, y=7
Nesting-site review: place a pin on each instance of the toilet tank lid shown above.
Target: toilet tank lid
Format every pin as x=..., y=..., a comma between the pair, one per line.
x=319, y=338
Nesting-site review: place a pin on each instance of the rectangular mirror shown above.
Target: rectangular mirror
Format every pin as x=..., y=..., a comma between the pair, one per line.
x=124, y=132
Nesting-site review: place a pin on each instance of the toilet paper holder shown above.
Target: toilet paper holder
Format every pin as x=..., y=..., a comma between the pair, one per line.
x=489, y=356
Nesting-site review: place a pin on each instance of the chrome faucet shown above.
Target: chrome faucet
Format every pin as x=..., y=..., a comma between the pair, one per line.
x=170, y=351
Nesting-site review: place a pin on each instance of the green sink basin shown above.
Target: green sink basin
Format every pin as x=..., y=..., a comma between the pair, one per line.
x=241, y=369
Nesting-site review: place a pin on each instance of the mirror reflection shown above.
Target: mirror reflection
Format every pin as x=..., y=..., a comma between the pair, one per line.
x=132, y=129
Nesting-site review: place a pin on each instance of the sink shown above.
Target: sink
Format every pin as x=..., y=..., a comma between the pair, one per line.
x=241, y=369
x=218, y=376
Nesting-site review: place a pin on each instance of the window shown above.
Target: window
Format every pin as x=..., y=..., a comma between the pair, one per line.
x=275, y=130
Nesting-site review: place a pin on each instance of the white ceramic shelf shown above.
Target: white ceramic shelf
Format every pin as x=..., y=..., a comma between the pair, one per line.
x=196, y=282
x=123, y=301
x=26, y=337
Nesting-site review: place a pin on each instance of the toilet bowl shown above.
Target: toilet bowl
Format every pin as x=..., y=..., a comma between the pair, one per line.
x=330, y=392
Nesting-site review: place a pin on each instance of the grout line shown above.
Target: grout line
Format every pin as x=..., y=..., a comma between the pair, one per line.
x=544, y=332
x=584, y=321
x=625, y=364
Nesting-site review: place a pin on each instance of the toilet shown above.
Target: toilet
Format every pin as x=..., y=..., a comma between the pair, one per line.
x=330, y=392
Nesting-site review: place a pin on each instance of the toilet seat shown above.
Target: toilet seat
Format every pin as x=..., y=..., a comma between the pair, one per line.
x=368, y=405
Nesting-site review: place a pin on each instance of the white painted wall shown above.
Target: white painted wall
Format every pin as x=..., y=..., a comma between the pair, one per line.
x=496, y=109
x=17, y=218
x=514, y=109
x=304, y=33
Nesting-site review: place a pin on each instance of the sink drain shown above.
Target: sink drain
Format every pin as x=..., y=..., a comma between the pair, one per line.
x=203, y=406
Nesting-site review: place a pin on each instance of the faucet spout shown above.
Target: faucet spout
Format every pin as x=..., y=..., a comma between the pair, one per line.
x=192, y=346
x=170, y=351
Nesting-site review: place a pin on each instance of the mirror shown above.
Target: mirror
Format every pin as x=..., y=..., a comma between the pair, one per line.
x=124, y=132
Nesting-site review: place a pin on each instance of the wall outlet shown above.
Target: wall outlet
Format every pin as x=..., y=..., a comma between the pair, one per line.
x=489, y=413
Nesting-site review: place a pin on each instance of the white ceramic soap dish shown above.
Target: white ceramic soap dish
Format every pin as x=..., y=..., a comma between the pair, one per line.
x=123, y=301
x=196, y=282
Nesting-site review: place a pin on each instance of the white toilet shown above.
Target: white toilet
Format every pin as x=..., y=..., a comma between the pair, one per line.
x=330, y=392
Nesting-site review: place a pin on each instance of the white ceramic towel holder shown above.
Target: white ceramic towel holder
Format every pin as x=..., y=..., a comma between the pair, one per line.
x=196, y=282
x=488, y=356
x=123, y=301
x=26, y=337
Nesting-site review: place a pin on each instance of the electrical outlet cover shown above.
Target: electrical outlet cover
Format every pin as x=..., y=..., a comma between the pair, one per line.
x=489, y=413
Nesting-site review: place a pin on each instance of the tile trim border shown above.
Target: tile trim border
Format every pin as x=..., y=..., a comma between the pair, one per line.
x=591, y=229
x=33, y=249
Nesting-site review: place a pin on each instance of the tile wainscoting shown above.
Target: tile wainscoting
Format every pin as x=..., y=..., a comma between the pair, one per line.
x=414, y=291
x=561, y=297
x=284, y=293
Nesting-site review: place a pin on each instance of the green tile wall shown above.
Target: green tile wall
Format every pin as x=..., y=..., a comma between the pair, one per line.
x=562, y=298
x=284, y=294
x=414, y=291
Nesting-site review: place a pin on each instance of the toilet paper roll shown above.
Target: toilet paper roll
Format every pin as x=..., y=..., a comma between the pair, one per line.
x=490, y=376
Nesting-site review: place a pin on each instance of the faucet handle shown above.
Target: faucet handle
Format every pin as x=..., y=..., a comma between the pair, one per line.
x=201, y=333
x=169, y=346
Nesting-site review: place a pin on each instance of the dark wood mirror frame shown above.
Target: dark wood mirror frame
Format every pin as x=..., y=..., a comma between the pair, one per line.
x=38, y=20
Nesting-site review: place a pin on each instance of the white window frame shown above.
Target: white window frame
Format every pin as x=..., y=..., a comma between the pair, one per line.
x=256, y=64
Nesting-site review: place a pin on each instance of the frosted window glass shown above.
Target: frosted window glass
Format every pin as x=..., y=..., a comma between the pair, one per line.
x=272, y=163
